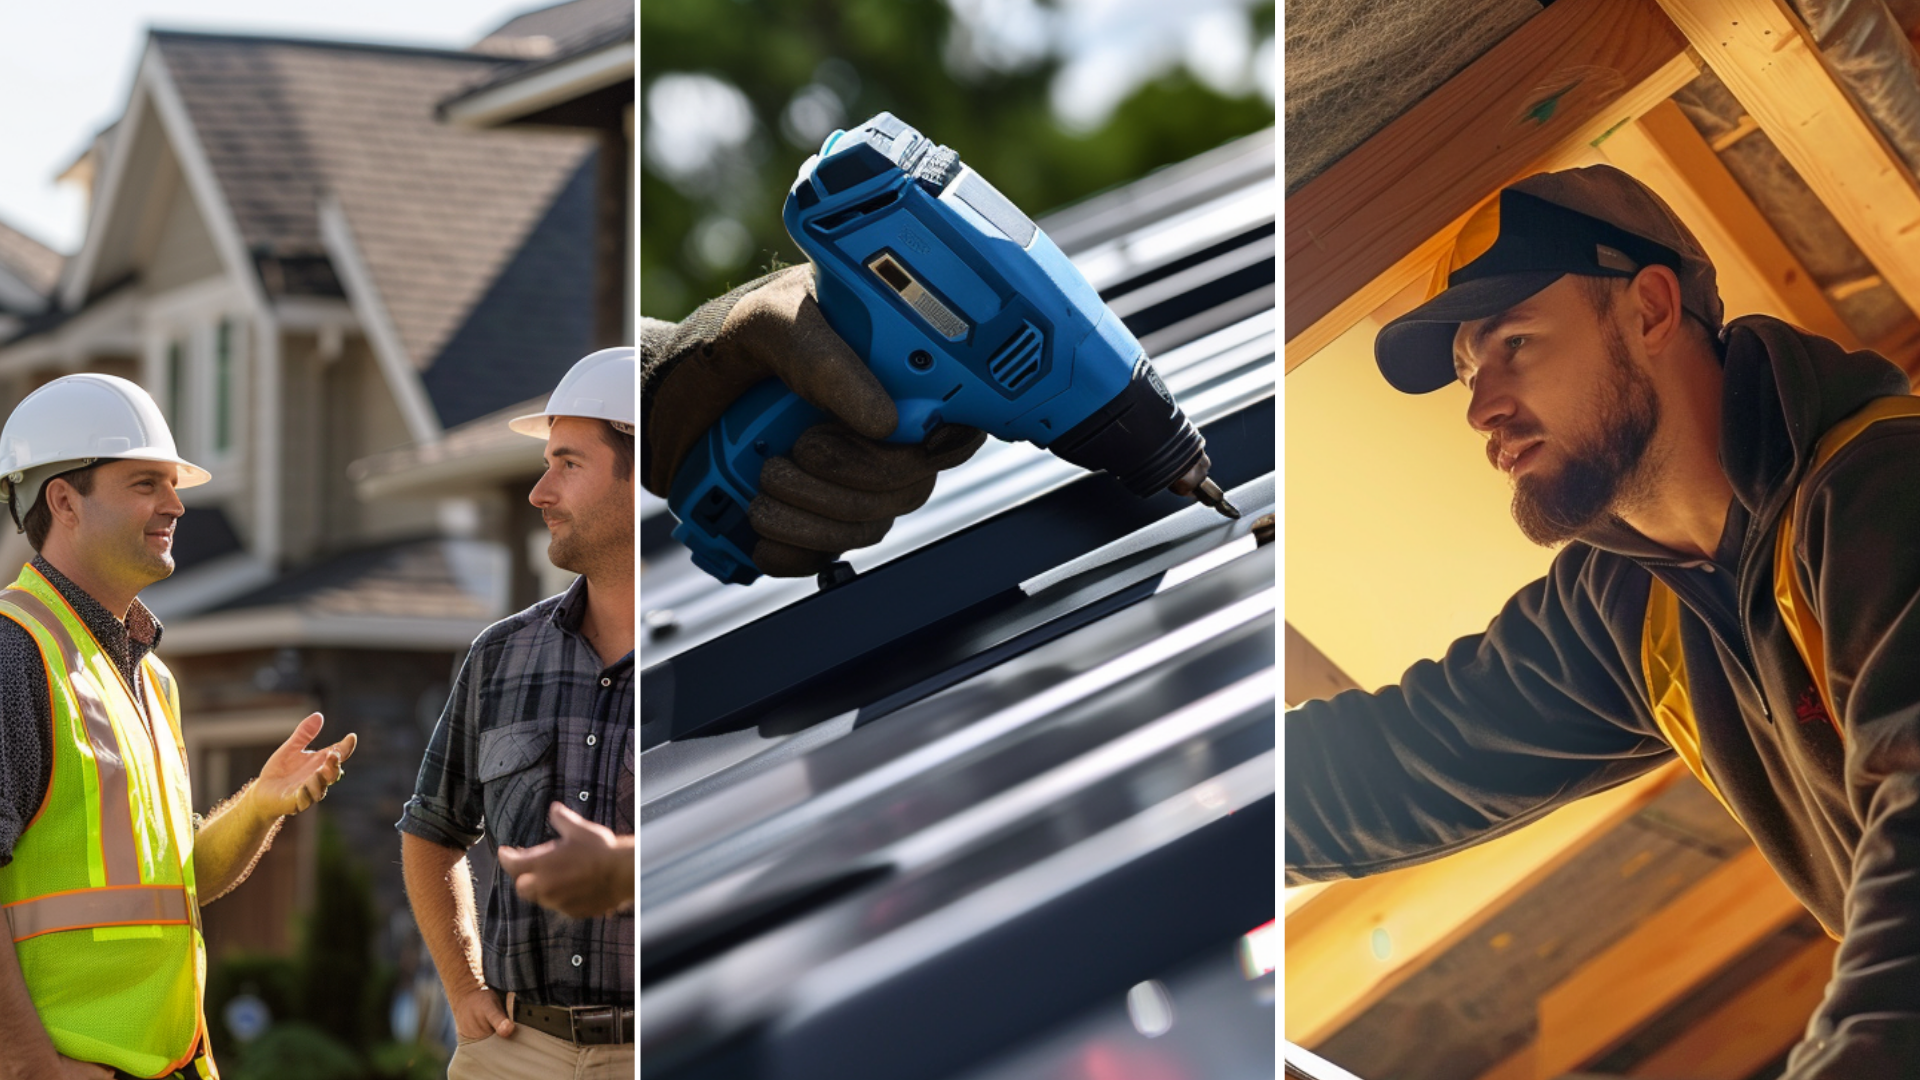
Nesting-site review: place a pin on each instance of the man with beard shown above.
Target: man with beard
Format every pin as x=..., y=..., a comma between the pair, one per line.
x=1740, y=587
x=538, y=731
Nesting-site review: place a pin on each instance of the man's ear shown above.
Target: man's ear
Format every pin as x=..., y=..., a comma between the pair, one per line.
x=1656, y=294
x=63, y=501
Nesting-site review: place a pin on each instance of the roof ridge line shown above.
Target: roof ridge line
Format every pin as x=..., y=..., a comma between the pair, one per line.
x=159, y=32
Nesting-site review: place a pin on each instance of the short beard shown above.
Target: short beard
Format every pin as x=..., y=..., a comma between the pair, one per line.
x=569, y=553
x=1604, y=477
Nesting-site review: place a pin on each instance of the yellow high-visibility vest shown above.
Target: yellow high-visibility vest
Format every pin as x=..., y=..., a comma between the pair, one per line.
x=99, y=898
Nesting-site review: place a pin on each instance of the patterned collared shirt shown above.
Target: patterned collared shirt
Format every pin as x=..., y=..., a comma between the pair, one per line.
x=26, y=711
x=534, y=719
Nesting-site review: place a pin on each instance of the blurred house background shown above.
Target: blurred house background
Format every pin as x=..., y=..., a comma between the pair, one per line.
x=339, y=267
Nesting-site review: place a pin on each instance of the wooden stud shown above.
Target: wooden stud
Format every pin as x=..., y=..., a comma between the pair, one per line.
x=1383, y=215
x=1758, y=1025
x=1670, y=954
x=1764, y=55
x=1757, y=272
x=1515, y=1066
x=1357, y=940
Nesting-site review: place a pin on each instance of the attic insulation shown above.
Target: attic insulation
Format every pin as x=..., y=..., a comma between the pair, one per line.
x=1353, y=66
x=1876, y=315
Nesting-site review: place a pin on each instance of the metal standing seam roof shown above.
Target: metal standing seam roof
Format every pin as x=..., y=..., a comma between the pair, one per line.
x=442, y=216
x=883, y=822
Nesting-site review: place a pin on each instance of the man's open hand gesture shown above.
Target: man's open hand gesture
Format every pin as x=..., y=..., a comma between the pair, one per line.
x=295, y=777
x=587, y=872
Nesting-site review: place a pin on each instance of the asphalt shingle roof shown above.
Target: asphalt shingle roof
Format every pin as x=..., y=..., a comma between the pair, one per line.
x=31, y=261
x=447, y=219
x=569, y=26
x=566, y=30
x=423, y=579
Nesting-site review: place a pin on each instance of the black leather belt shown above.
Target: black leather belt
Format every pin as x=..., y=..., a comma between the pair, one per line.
x=582, y=1025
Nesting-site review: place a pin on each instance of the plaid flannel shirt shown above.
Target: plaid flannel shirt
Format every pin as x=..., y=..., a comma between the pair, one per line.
x=534, y=718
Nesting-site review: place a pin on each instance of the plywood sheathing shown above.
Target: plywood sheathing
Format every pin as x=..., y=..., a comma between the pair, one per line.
x=1474, y=1004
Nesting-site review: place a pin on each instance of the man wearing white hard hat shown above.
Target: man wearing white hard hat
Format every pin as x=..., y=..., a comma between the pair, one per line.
x=103, y=865
x=535, y=751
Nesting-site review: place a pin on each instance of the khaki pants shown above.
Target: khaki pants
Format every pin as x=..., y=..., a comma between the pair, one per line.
x=536, y=1055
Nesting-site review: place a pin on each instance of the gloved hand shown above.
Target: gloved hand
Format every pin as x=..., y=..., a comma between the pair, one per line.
x=841, y=491
x=841, y=488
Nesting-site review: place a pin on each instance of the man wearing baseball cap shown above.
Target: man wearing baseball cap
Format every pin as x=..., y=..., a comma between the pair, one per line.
x=1739, y=587
x=542, y=714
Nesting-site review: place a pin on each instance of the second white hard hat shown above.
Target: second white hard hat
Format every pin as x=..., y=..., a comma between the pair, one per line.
x=74, y=421
x=600, y=386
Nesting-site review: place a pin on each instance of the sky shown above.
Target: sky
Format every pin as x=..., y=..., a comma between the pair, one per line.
x=65, y=70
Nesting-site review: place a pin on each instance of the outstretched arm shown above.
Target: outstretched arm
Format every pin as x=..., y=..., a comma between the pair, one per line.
x=1536, y=712
x=240, y=830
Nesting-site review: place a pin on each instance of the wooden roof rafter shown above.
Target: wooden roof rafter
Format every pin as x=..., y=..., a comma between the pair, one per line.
x=1380, y=218
x=1767, y=59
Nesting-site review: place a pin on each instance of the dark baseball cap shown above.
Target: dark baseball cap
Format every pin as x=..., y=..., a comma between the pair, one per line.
x=1595, y=221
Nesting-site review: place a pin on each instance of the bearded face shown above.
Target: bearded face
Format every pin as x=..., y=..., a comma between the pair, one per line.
x=1601, y=472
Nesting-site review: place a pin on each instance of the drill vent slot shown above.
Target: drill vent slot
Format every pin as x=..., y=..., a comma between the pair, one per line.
x=1015, y=363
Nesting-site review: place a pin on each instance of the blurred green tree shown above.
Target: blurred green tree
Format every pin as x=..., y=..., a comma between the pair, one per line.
x=751, y=86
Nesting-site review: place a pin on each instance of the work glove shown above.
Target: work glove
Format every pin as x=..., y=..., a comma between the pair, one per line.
x=841, y=488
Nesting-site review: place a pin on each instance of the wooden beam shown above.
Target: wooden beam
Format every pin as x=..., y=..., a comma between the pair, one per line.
x=1515, y=1066
x=1675, y=950
x=1382, y=216
x=1355, y=941
x=1757, y=272
x=1764, y=55
x=1752, y=1029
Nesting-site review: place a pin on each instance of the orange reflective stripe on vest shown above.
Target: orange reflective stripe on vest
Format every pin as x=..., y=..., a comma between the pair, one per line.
x=117, y=905
x=117, y=847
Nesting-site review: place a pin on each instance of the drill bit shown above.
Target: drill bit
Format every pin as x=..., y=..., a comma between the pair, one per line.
x=1209, y=494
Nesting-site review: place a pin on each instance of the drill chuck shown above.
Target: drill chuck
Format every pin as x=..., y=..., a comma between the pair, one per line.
x=1142, y=439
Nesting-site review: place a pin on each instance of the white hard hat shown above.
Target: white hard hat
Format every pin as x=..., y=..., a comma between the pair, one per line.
x=598, y=387
x=75, y=421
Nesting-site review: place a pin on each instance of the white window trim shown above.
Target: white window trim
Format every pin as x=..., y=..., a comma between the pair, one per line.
x=191, y=315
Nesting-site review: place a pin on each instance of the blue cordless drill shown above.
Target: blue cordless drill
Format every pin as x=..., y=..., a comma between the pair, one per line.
x=966, y=313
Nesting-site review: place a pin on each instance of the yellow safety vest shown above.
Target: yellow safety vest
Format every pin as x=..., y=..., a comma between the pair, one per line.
x=1660, y=655
x=99, y=897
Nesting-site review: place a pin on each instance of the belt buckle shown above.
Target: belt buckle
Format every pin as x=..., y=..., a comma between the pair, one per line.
x=590, y=1013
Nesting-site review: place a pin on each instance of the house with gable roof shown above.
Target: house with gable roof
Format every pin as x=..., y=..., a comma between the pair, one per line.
x=29, y=270
x=306, y=266
x=575, y=72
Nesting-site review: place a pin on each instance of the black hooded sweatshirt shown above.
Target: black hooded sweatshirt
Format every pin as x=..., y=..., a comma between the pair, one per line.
x=1550, y=704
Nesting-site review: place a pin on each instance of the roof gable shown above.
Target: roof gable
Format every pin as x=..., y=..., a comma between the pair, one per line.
x=438, y=214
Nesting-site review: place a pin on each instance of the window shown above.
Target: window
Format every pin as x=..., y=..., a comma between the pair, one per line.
x=176, y=385
x=197, y=373
x=223, y=388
